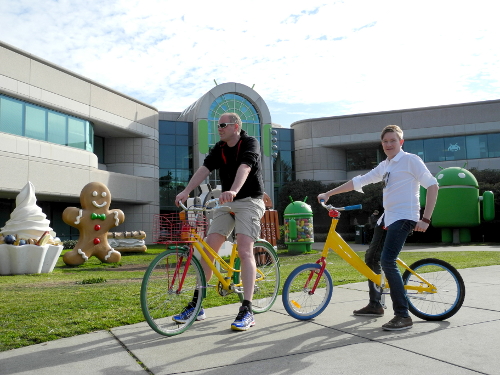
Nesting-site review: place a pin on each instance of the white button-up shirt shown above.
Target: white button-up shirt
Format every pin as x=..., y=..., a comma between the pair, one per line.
x=402, y=176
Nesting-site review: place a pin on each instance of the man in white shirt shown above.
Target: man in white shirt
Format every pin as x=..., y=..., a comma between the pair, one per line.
x=402, y=174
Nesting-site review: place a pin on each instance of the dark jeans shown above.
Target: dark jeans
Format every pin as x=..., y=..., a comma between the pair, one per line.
x=383, y=251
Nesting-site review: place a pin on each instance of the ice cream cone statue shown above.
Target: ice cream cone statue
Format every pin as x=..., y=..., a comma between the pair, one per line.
x=93, y=220
x=27, y=242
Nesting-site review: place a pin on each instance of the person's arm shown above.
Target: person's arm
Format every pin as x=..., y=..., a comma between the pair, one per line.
x=241, y=176
x=344, y=188
x=430, y=203
x=200, y=175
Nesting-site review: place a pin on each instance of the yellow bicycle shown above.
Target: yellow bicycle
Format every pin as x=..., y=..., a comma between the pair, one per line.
x=437, y=296
x=174, y=275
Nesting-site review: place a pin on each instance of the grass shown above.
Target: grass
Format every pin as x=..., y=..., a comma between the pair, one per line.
x=97, y=296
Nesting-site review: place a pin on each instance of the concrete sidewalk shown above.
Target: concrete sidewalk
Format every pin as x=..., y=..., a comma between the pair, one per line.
x=335, y=342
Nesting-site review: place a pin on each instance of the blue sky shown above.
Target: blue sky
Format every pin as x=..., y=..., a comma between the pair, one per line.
x=306, y=59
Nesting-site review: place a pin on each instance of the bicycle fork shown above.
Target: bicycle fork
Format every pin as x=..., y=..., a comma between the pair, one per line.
x=177, y=271
x=322, y=262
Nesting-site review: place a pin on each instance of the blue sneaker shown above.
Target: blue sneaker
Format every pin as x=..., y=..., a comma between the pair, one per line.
x=184, y=316
x=244, y=320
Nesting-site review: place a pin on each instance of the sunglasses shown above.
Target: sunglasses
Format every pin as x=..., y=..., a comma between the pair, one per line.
x=224, y=124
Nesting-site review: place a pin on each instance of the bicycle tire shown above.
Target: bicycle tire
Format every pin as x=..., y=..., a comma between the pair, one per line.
x=160, y=299
x=450, y=290
x=298, y=301
x=267, y=281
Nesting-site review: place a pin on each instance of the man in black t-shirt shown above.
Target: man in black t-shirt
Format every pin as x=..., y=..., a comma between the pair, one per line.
x=237, y=157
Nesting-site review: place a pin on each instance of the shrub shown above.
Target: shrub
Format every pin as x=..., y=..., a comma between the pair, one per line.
x=69, y=244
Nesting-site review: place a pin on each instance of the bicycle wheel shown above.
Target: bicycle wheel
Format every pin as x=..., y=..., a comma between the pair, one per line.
x=267, y=280
x=162, y=297
x=450, y=290
x=297, y=298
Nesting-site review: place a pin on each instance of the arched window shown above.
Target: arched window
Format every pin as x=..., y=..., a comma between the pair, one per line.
x=237, y=104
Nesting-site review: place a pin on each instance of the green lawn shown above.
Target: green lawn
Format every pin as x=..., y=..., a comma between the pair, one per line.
x=97, y=296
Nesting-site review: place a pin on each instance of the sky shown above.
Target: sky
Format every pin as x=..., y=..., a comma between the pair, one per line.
x=306, y=59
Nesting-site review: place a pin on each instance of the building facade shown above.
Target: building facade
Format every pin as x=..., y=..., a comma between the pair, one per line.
x=197, y=129
x=61, y=131
x=334, y=149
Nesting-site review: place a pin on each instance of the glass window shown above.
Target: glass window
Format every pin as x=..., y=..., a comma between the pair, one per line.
x=494, y=145
x=477, y=146
x=11, y=116
x=76, y=133
x=361, y=159
x=167, y=139
x=237, y=104
x=455, y=148
x=434, y=149
x=167, y=127
x=56, y=128
x=99, y=149
x=286, y=158
x=35, y=122
x=90, y=136
x=284, y=145
x=167, y=157
x=414, y=147
x=182, y=140
x=181, y=157
x=181, y=128
x=284, y=134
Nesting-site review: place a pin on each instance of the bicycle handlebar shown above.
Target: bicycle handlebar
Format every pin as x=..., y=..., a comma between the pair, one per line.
x=329, y=207
x=202, y=208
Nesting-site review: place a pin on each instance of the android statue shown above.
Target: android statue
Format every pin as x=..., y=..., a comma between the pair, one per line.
x=457, y=206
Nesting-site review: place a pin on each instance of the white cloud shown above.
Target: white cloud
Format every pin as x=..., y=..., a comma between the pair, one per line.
x=329, y=57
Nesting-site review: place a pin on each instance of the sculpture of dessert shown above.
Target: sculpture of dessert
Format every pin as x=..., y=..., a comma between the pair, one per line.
x=27, y=242
x=133, y=242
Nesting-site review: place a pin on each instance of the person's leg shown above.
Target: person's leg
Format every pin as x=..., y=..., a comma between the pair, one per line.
x=215, y=241
x=220, y=228
x=372, y=260
x=396, y=236
x=248, y=266
x=248, y=213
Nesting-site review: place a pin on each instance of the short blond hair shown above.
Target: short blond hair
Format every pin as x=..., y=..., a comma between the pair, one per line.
x=392, y=129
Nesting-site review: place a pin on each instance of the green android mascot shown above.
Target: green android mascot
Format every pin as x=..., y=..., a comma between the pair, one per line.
x=457, y=206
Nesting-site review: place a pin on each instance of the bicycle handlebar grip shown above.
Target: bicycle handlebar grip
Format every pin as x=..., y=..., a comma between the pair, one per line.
x=355, y=207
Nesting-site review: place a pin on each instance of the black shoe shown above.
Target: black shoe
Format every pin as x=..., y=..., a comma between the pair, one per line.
x=398, y=323
x=369, y=311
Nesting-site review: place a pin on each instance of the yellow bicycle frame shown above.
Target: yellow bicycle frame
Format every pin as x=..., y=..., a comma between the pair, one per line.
x=229, y=281
x=336, y=243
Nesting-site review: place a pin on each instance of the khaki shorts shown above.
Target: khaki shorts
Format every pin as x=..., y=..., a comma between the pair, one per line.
x=246, y=220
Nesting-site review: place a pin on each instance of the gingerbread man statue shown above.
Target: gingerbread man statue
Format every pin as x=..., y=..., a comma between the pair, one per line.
x=93, y=220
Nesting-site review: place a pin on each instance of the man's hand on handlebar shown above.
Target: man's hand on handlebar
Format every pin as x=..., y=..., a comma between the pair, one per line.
x=323, y=197
x=182, y=197
x=227, y=196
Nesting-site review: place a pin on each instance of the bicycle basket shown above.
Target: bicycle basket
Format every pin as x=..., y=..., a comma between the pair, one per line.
x=170, y=228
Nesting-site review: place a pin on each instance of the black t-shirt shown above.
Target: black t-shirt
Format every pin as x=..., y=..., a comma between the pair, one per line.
x=228, y=159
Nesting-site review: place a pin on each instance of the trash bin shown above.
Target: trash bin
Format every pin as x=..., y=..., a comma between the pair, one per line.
x=299, y=231
x=360, y=234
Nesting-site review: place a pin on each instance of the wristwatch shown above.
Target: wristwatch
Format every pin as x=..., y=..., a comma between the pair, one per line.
x=425, y=220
